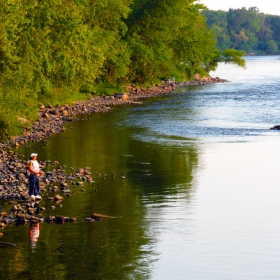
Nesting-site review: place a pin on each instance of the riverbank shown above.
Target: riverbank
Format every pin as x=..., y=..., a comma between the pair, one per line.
x=13, y=170
x=51, y=119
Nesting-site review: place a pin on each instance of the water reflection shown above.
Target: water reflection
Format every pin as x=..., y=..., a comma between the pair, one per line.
x=34, y=233
x=157, y=176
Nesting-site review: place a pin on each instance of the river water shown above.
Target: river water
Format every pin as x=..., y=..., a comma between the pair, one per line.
x=201, y=198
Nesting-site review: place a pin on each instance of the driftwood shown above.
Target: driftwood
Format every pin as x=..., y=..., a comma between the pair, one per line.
x=95, y=215
x=8, y=244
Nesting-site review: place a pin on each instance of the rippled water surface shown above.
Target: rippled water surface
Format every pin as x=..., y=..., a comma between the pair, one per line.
x=201, y=198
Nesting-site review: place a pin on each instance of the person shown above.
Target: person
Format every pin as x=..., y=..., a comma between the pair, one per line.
x=34, y=168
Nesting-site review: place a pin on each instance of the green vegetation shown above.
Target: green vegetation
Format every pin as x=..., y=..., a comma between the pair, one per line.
x=60, y=51
x=245, y=29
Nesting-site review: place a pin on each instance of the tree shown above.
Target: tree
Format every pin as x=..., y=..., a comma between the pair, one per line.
x=217, y=21
x=233, y=56
x=243, y=26
x=271, y=47
x=168, y=38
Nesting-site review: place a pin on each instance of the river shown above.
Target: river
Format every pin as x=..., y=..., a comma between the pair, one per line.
x=201, y=198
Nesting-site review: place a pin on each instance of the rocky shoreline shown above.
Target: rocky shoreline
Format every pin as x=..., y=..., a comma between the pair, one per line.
x=13, y=175
x=52, y=119
x=13, y=169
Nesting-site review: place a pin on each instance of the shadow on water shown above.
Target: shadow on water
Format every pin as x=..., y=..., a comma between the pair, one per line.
x=121, y=248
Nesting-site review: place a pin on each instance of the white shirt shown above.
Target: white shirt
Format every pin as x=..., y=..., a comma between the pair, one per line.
x=35, y=165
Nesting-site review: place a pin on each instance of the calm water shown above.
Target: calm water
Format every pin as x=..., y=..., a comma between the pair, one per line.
x=202, y=194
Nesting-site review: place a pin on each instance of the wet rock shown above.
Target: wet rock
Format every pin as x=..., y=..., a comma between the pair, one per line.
x=58, y=197
x=59, y=219
x=49, y=218
x=276, y=127
x=89, y=219
x=64, y=184
x=68, y=191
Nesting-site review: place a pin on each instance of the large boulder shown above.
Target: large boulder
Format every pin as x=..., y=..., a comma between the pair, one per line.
x=276, y=127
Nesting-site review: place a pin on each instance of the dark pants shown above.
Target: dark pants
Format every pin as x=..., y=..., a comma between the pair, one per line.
x=33, y=184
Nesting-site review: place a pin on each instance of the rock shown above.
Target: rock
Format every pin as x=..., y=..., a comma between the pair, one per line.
x=46, y=115
x=58, y=197
x=66, y=191
x=49, y=218
x=89, y=219
x=276, y=127
x=121, y=95
x=3, y=213
x=59, y=219
x=64, y=184
x=65, y=113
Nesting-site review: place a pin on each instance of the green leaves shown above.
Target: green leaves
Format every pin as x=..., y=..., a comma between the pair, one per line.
x=245, y=29
x=55, y=49
x=234, y=56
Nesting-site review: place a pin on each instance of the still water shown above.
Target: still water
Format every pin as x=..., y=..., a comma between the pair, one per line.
x=201, y=198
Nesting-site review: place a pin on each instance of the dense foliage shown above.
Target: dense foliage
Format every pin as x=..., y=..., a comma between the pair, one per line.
x=245, y=29
x=63, y=50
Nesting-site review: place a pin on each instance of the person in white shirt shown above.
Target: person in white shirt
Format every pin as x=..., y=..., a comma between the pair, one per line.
x=34, y=168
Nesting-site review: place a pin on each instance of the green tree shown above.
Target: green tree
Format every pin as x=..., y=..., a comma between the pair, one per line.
x=243, y=26
x=271, y=47
x=63, y=50
x=217, y=21
x=168, y=38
